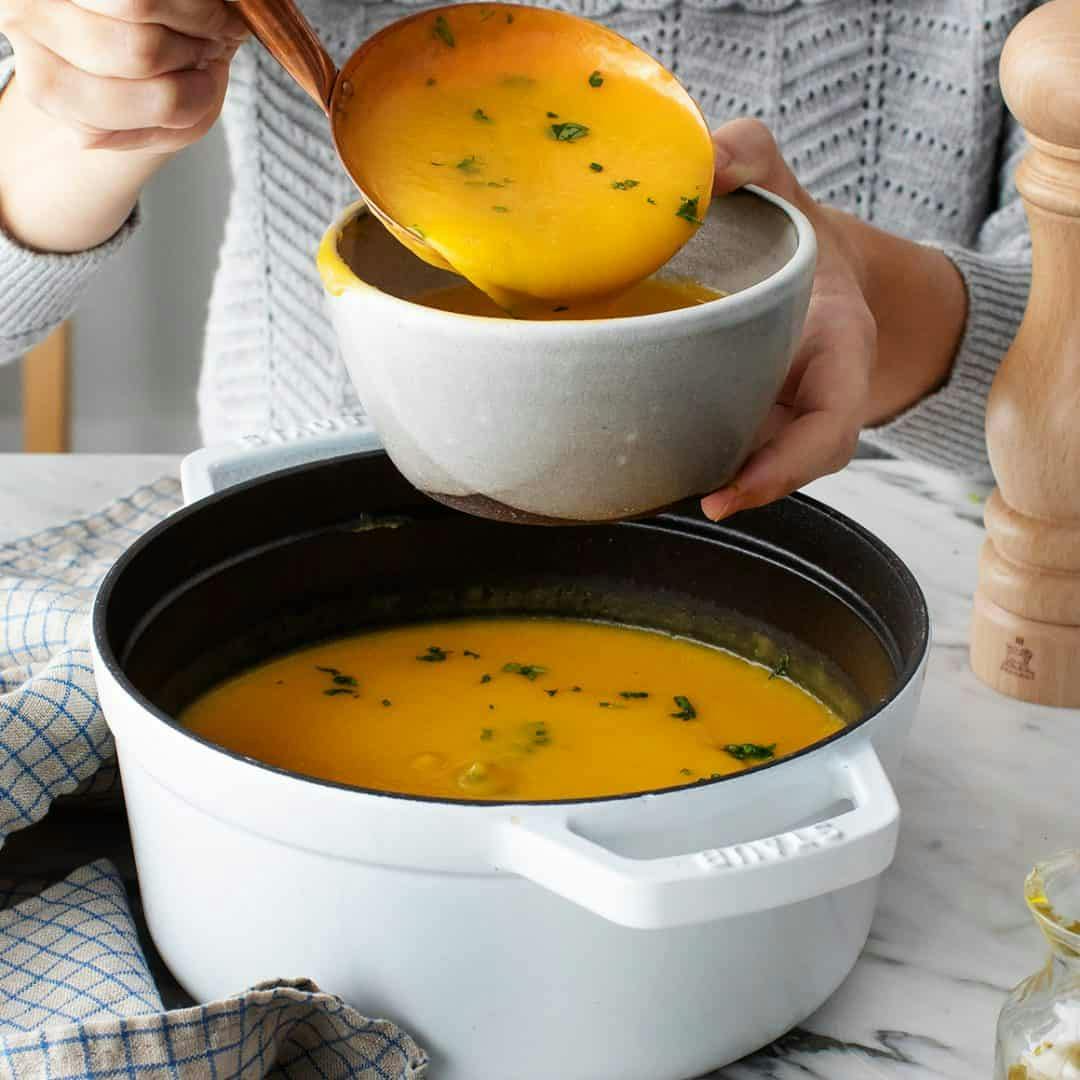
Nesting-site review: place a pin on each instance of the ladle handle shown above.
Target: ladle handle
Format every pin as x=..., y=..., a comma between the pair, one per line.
x=288, y=37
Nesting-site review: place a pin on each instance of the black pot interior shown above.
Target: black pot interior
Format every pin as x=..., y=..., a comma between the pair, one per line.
x=331, y=548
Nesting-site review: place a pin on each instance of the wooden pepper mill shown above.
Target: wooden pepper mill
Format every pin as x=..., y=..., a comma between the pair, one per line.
x=1025, y=638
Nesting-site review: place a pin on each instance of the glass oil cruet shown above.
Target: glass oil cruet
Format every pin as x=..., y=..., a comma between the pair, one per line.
x=1038, y=1033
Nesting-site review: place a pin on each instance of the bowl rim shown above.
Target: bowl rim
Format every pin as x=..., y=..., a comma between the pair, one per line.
x=907, y=673
x=338, y=280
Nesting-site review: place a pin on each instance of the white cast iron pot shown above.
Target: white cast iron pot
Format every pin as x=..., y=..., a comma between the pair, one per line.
x=646, y=938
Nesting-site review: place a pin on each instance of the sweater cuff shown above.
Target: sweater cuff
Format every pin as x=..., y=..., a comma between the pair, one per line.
x=38, y=289
x=948, y=428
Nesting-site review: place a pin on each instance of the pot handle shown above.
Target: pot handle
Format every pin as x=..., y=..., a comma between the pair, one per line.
x=721, y=882
x=212, y=468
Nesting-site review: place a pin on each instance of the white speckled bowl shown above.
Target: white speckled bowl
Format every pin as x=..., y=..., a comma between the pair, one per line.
x=576, y=421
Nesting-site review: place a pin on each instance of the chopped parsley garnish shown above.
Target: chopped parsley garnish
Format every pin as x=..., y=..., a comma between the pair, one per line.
x=470, y=164
x=569, y=132
x=438, y=164
x=624, y=185
x=430, y=82
x=749, y=751
x=686, y=772
x=442, y=30
x=481, y=116
x=688, y=209
x=632, y=694
x=529, y=671
x=328, y=670
x=487, y=734
x=485, y=678
x=596, y=79
x=501, y=209
x=561, y=307
x=650, y=200
x=781, y=669
x=343, y=684
x=495, y=183
x=334, y=691
x=434, y=655
x=469, y=652
x=575, y=689
x=686, y=709
x=387, y=702
x=596, y=166
x=551, y=693
x=553, y=116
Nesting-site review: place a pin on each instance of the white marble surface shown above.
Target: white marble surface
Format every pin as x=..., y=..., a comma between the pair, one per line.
x=988, y=788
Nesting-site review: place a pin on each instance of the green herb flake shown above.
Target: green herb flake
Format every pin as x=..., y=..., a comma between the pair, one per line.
x=438, y=164
x=485, y=678
x=688, y=210
x=686, y=772
x=336, y=690
x=481, y=116
x=470, y=164
x=575, y=689
x=492, y=707
x=469, y=652
x=596, y=80
x=624, y=185
x=749, y=751
x=434, y=655
x=495, y=183
x=509, y=19
x=487, y=734
x=529, y=671
x=501, y=209
x=610, y=705
x=345, y=680
x=631, y=695
x=328, y=670
x=442, y=31
x=686, y=709
x=553, y=116
x=386, y=703
x=561, y=307
x=596, y=166
x=650, y=200
x=569, y=132
x=551, y=693
x=780, y=670
x=430, y=82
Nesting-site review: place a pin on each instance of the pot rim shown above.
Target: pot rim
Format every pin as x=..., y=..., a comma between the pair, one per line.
x=338, y=279
x=106, y=655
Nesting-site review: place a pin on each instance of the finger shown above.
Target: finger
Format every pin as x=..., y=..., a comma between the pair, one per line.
x=746, y=153
x=98, y=45
x=179, y=99
x=197, y=18
x=809, y=447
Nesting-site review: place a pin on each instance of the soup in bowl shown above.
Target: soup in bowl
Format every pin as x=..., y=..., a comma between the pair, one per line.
x=589, y=415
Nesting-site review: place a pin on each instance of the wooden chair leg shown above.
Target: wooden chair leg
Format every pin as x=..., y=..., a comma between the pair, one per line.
x=46, y=393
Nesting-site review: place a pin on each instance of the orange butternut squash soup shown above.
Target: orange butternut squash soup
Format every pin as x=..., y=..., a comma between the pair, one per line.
x=646, y=298
x=511, y=708
x=544, y=159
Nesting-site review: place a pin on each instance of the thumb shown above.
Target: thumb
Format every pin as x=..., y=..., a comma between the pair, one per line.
x=746, y=153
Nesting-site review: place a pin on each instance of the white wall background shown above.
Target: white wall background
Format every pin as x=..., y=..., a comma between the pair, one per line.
x=137, y=338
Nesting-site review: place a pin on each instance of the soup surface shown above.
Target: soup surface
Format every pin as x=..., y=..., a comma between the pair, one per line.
x=542, y=156
x=646, y=298
x=511, y=708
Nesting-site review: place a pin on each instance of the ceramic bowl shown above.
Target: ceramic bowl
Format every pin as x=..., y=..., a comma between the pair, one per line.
x=583, y=420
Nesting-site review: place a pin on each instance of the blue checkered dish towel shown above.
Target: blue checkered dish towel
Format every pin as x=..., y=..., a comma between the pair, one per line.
x=76, y=995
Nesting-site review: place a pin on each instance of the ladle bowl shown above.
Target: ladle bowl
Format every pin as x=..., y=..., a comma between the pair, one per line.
x=478, y=41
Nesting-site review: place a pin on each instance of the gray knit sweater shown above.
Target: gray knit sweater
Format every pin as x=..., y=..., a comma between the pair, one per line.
x=890, y=110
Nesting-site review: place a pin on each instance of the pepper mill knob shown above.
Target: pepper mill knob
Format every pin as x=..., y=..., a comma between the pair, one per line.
x=1025, y=638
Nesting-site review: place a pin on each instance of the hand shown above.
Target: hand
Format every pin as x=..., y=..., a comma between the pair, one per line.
x=814, y=426
x=124, y=74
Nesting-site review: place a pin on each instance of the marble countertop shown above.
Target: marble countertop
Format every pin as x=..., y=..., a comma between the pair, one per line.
x=987, y=789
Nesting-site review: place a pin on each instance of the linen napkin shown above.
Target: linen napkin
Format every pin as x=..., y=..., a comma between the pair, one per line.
x=77, y=998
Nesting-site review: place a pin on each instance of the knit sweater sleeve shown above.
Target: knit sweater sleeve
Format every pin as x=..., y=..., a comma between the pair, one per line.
x=38, y=290
x=947, y=428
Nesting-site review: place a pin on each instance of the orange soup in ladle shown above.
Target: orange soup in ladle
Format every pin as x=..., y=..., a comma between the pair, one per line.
x=543, y=157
